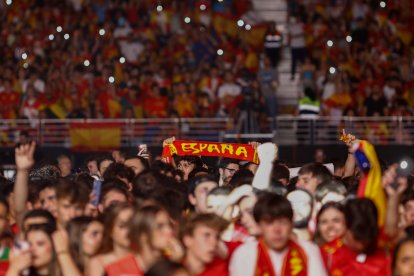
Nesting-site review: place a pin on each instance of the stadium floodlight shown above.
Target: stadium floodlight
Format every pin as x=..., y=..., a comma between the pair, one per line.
x=86, y=63
x=122, y=60
x=348, y=38
x=66, y=36
x=51, y=37
x=248, y=27
x=220, y=52
x=220, y=1
x=332, y=70
x=25, y=65
x=59, y=29
x=24, y=56
x=383, y=4
x=9, y=2
x=240, y=23
x=187, y=19
x=102, y=32
x=159, y=8
x=329, y=43
x=203, y=7
x=111, y=79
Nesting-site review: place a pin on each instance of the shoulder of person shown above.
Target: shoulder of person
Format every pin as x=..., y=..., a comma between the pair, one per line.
x=247, y=247
x=309, y=246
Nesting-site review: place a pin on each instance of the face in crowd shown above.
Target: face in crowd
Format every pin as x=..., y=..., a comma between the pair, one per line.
x=331, y=222
x=228, y=171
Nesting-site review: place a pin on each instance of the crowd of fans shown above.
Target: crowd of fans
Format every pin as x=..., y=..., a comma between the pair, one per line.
x=136, y=215
x=119, y=58
x=124, y=59
x=359, y=55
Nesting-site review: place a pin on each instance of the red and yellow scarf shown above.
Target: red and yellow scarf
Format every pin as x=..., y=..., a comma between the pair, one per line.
x=294, y=263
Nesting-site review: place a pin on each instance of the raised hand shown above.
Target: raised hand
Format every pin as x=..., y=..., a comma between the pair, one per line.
x=24, y=156
x=167, y=141
x=389, y=178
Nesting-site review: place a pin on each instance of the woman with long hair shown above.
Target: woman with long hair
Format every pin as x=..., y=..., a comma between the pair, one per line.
x=151, y=237
x=39, y=258
x=115, y=243
x=85, y=236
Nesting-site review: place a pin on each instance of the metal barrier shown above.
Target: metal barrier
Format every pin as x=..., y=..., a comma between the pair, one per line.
x=289, y=130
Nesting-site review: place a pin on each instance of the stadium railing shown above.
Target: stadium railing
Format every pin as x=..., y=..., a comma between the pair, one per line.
x=289, y=130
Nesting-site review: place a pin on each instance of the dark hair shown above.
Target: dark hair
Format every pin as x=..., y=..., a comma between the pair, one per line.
x=361, y=218
x=317, y=170
x=397, y=250
x=162, y=167
x=164, y=267
x=76, y=227
x=113, y=185
x=146, y=183
x=241, y=177
x=224, y=162
x=104, y=158
x=118, y=170
x=193, y=183
x=48, y=229
x=196, y=160
x=75, y=192
x=334, y=205
x=408, y=195
x=189, y=224
x=280, y=172
x=6, y=187
x=272, y=206
x=40, y=213
x=197, y=170
x=144, y=161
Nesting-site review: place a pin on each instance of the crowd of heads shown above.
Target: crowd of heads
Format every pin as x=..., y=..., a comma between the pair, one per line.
x=187, y=217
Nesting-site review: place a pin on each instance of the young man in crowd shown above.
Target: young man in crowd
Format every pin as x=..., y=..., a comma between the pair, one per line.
x=200, y=234
x=71, y=200
x=275, y=253
x=198, y=189
x=311, y=175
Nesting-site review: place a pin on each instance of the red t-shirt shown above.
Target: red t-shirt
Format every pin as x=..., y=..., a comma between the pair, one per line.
x=125, y=266
x=218, y=267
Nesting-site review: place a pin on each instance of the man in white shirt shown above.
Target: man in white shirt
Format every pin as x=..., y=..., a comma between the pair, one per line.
x=275, y=253
x=227, y=94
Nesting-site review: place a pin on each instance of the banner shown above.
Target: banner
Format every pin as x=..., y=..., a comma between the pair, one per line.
x=95, y=136
x=236, y=151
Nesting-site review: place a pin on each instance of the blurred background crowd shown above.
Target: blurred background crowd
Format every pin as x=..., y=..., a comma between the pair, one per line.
x=201, y=58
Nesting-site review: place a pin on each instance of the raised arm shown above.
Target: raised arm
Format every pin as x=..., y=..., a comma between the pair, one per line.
x=394, y=187
x=267, y=154
x=349, y=168
x=24, y=162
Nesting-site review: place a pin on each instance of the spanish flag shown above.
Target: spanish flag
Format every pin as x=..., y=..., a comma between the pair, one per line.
x=370, y=185
x=95, y=136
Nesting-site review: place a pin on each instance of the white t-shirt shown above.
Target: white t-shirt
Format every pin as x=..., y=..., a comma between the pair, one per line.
x=298, y=36
x=243, y=261
x=229, y=89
